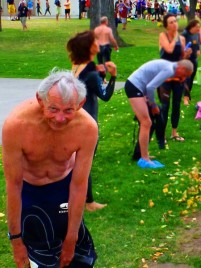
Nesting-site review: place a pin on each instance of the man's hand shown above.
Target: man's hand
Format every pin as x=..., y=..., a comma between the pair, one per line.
x=111, y=68
x=187, y=53
x=67, y=253
x=101, y=69
x=155, y=109
x=20, y=254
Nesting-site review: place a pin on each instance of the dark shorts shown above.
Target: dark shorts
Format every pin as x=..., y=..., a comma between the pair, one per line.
x=44, y=225
x=67, y=11
x=132, y=91
x=83, y=8
x=105, y=54
x=149, y=10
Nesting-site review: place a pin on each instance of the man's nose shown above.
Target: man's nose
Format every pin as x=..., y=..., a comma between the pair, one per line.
x=60, y=117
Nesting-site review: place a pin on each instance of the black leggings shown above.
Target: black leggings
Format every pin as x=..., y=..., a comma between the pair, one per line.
x=189, y=80
x=90, y=197
x=164, y=93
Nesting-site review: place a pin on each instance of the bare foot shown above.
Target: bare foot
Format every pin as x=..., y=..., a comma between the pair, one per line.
x=94, y=206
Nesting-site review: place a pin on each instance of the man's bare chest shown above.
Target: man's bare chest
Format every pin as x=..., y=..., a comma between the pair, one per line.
x=42, y=148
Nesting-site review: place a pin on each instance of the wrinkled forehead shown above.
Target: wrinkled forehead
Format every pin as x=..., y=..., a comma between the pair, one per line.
x=56, y=94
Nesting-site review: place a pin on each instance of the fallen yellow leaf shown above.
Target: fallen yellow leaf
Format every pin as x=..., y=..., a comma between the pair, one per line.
x=165, y=190
x=184, y=212
x=151, y=204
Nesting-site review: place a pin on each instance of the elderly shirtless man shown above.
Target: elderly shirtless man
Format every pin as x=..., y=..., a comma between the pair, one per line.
x=105, y=38
x=48, y=147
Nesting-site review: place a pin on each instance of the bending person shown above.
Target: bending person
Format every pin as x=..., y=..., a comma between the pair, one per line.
x=140, y=87
x=46, y=168
x=82, y=50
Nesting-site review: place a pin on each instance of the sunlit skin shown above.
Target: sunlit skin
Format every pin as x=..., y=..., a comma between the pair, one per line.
x=172, y=24
x=104, y=34
x=57, y=112
x=169, y=37
x=52, y=138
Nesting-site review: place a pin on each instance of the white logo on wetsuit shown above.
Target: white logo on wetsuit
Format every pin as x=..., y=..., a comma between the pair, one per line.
x=64, y=207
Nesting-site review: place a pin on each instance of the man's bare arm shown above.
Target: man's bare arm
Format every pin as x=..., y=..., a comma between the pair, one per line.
x=12, y=161
x=78, y=191
x=112, y=40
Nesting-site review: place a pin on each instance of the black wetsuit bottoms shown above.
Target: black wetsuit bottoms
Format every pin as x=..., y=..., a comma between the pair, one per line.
x=105, y=54
x=164, y=92
x=44, y=226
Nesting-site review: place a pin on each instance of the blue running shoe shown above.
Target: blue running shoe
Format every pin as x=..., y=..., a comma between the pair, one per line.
x=158, y=164
x=145, y=164
x=149, y=164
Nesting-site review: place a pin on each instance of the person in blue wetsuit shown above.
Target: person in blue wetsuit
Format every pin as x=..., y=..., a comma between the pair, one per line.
x=82, y=49
x=140, y=87
x=192, y=37
x=172, y=48
x=46, y=168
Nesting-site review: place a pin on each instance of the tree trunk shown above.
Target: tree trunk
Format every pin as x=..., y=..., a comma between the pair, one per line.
x=79, y=9
x=0, y=18
x=101, y=8
x=190, y=14
x=95, y=13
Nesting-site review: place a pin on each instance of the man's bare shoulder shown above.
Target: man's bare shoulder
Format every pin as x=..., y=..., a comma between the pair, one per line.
x=20, y=113
x=87, y=121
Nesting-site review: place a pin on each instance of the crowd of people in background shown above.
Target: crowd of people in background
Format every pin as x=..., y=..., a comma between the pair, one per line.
x=125, y=10
x=31, y=4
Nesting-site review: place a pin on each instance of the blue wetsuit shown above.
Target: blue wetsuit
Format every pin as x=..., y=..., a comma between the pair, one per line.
x=95, y=89
x=44, y=226
x=195, y=46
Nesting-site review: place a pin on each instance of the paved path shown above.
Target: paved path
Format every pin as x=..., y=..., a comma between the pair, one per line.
x=14, y=91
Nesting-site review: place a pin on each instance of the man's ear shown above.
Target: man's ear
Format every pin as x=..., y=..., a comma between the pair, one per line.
x=39, y=99
x=81, y=103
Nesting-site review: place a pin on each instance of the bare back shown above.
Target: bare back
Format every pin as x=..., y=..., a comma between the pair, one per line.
x=104, y=35
x=45, y=155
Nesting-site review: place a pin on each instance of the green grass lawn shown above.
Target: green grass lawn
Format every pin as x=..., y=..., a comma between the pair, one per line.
x=143, y=219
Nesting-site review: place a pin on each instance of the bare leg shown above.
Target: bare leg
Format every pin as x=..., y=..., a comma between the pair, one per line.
x=140, y=109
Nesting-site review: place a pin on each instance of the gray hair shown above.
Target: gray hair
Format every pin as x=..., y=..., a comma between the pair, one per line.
x=66, y=84
x=103, y=19
x=187, y=64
